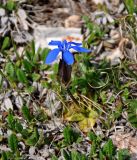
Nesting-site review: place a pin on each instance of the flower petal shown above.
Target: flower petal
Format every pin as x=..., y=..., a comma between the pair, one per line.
x=74, y=43
x=68, y=57
x=80, y=49
x=55, y=43
x=52, y=56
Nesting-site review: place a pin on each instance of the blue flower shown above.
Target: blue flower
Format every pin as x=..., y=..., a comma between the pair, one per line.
x=64, y=48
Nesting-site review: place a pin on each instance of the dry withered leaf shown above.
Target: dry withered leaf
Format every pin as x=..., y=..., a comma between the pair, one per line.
x=124, y=140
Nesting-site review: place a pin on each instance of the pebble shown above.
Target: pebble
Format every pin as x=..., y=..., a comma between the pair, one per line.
x=104, y=20
x=8, y=104
x=121, y=8
x=19, y=102
x=32, y=150
x=4, y=84
x=20, y=85
x=4, y=21
x=2, y=12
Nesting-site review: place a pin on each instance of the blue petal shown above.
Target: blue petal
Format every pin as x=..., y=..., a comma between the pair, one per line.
x=55, y=43
x=65, y=44
x=52, y=56
x=74, y=43
x=68, y=57
x=80, y=49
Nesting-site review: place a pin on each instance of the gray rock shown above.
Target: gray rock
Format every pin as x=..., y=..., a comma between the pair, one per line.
x=2, y=12
x=4, y=21
x=21, y=37
x=8, y=104
x=19, y=102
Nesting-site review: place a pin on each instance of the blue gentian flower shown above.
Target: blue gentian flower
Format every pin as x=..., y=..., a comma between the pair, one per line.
x=64, y=48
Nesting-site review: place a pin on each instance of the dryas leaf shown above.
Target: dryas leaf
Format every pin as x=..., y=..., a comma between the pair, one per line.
x=26, y=113
x=21, y=76
x=13, y=142
x=6, y=43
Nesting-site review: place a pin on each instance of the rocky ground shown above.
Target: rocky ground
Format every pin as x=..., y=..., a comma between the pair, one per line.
x=109, y=30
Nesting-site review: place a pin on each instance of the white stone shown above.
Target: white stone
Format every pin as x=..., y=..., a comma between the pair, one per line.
x=8, y=104
x=2, y=12
x=44, y=35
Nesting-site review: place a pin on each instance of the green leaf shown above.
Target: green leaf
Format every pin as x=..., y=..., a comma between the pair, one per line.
x=132, y=112
x=70, y=135
x=10, y=5
x=125, y=93
x=132, y=104
x=27, y=65
x=4, y=156
x=35, y=76
x=18, y=127
x=41, y=139
x=41, y=115
x=92, y=136
x=9, y=155
x=21, y=76
x=10, y=70
x=93, y=148
x=30, y=89
x=25, y=133
x=13, y=142
x=29, y=55
x=101, y=156
x=123, y=154
x=33, y=139
x=6, y=43
x=44, y=54
x=108, y=149
x=129, y=4
x=77, y=156
x=54, y=158
x=26, y=113
x=11, y=121
x=33, y=47
x=35, y=59
x=66, y=155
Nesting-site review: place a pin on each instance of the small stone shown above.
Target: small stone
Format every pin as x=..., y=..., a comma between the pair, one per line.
x=22, y=145
x=22, y=18
x=5, y=84
x=32, y=150
x=99, y=1
x=19, y=102
x=44, y=153
x=110, y=19
x=121, y=8
x=22, y=14
x=8, y=104
x=4, y=21
x=20, y=85
x=104, y=20
x=115, y=2
x=98, y=21
x=2, y=12
x=21, y=37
